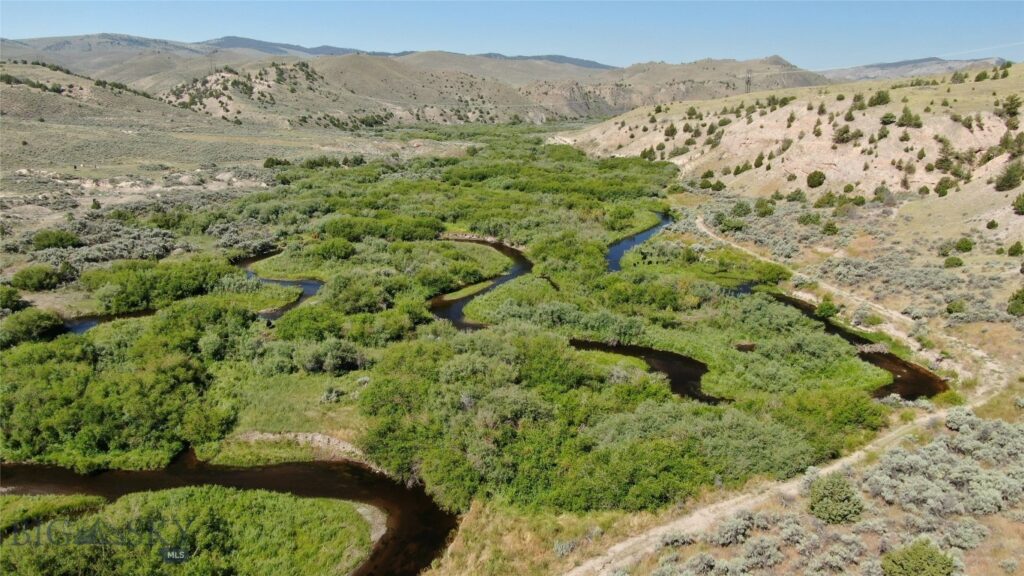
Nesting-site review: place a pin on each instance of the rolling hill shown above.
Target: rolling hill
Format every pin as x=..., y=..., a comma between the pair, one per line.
x=907, y=68
x=618, y=90
x=156, y=65
x=238, y=78
x=406, y=86
x=900, y=192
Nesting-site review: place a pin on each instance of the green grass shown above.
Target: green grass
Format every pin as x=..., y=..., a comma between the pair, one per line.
x=234, y=452
x=609, y=359
x=299, y=264
x=18, y=510
x=467, y=291
x=228, y=531
x=296, y=399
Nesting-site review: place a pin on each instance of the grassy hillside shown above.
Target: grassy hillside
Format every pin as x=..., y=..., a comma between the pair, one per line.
x=69, y=141
x=239, y=78
x=615, y=91
x=516, y=72
x=901, y=192
x=760, y=122
x=351, y=92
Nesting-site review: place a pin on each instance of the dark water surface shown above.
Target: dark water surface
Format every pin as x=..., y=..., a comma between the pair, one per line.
x=617, y=250
x=83, y=324
x=453, y=310
x=684, y=373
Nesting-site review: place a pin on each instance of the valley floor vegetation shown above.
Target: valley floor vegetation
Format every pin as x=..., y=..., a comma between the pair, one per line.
x=512, y=413
x=225, y=531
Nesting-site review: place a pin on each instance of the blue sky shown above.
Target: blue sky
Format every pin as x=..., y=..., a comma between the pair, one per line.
x=814, y=35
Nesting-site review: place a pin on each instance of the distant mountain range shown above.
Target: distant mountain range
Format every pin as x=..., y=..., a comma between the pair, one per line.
x=91, y=53
x=252, y=80
x=907, y=68
x=293, y=49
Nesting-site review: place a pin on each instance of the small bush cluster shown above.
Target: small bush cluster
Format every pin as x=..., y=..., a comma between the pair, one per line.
x=246, y=236
x=922, y=558
x=10, y=300
x=29, y=325
x=97, y=239
x=55, y=239
x=134, y=285
x=36, y=277
x=978, y=470
x=834, y=500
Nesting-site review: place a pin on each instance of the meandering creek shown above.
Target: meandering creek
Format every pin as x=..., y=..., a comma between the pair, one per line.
x=909, y=380
x=309, y=287
x=417, y=529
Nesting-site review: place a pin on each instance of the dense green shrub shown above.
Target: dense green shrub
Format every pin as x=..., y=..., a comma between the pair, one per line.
x=354, y=229
x=1016, y=305
x=362, y=290
x=879, y=98
x=272, y=162
x=333, y=249
x=133, y=402
x=10, y=299
x=921, y=558
x=844, y=134
x=332, y=356
x=764, y=208
x=809, y=218
x=321, y=161
x=826, y=308
x=740, y=209
x=964, y=244
x=55, y=239
x=224, y=530
x=1010, y=177
x=29, y=325
x=952, y=262
x=908, y=119
x=133, y=285
x=36, y=277
x=815, y=179
x=1016, y=249
x=834, y=500
x=311, y=323
x=1018, y=204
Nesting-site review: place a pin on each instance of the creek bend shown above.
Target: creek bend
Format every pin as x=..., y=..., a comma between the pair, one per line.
x=417, y=528
x=309, y=287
